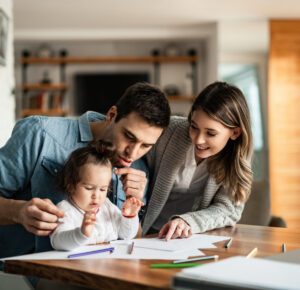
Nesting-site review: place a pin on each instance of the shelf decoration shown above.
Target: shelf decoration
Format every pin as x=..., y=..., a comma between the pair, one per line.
x=45, y=51
x=46, y=98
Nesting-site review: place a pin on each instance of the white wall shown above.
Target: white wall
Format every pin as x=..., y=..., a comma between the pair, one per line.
x=243, y=36
x=7, y=81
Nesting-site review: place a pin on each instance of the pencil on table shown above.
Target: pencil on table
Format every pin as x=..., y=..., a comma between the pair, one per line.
x=283, y=248
x=215, y=257
x=174, y=265
x=252, y=253
x=91, y=252
x=131, y=248
x=227, y=245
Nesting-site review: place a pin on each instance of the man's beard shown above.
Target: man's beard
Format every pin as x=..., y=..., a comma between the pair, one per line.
x=114, y=161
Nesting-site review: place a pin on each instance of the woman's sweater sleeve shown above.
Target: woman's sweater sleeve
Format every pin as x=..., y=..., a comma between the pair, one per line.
x=221, y=213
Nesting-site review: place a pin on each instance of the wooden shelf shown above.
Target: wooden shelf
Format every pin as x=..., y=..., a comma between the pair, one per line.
x=50, y=112
x=61, y=86
x=180, y=98
x=35, y=101
x=146, y=59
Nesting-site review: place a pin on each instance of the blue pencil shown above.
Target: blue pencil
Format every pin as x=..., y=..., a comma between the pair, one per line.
x=91, y=252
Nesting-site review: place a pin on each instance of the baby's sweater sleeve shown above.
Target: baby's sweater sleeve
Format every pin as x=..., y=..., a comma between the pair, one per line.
x=127, y=228
x=68, y=235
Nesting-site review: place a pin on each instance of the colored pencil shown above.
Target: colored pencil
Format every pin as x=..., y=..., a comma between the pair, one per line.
x=173, y=265
x=227, y=245
x=252, y=253
x=91, y=252
x=131, y=248
x=196, y=259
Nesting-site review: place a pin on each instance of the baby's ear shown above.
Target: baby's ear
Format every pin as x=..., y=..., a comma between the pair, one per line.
x=236, y=132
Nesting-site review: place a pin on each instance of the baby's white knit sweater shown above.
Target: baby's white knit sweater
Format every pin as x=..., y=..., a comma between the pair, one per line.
x=110, y=225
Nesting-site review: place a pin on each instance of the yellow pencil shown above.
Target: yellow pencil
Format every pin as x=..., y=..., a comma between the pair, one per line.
x=252, y=253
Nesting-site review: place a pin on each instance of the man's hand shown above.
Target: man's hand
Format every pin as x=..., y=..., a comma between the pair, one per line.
x=39, y=216
x=176, y=228
x=88, y=223
x=134, y=181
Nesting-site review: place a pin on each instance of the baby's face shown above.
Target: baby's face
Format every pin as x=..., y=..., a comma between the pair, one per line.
x=90, y=193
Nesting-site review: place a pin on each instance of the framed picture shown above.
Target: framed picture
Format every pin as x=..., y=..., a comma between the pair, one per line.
x=3, y=36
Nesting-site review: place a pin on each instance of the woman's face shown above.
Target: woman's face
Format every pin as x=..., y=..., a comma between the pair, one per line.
x=209, y=136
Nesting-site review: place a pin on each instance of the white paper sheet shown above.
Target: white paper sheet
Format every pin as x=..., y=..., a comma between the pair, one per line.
x=121, y=252
x=197, y=241
x=143, y=253
x=143, y=249
x=242, y=272
x=61, y=255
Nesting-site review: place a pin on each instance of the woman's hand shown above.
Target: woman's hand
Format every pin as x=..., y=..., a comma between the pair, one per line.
x=176, y=228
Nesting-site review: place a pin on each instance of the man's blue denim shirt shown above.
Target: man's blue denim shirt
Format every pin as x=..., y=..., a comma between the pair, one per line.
x=29, y=162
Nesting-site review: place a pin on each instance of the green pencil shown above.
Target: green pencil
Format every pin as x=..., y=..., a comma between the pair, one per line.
x=174, y=265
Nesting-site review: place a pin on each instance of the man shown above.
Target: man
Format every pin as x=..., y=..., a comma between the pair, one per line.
x=39, y=146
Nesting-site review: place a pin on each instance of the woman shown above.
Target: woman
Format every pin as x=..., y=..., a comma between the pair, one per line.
x=200, y=168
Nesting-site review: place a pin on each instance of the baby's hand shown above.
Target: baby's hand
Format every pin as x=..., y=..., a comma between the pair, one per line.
x=131, y=206
x=88, y=222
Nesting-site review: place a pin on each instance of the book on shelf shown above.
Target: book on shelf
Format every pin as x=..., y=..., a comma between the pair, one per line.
x=44, y=100
x=56, y=100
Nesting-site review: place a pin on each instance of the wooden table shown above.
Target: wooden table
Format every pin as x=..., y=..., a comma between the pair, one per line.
x=136, y=274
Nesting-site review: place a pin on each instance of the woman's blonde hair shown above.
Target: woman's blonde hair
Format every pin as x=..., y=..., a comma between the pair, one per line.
x=231, y=167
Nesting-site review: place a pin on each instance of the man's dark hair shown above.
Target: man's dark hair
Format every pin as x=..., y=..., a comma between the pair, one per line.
x=148, y=101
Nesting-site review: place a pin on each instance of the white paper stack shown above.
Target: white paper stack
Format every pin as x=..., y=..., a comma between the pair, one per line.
x=240, y=273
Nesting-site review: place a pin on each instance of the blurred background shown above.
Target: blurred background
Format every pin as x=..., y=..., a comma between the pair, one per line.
x=64, y=57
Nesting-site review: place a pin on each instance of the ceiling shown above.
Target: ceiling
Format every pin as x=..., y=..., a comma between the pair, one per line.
x=96, y=14
x=237, y=19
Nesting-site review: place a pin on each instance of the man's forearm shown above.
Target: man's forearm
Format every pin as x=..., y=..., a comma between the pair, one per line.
x=9, y=211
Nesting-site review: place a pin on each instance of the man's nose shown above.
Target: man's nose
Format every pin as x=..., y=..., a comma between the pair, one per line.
x=132, y=151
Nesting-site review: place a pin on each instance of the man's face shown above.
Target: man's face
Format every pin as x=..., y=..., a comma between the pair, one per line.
x=132, y=137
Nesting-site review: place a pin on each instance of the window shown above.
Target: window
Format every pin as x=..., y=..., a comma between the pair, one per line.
x=245, y=77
